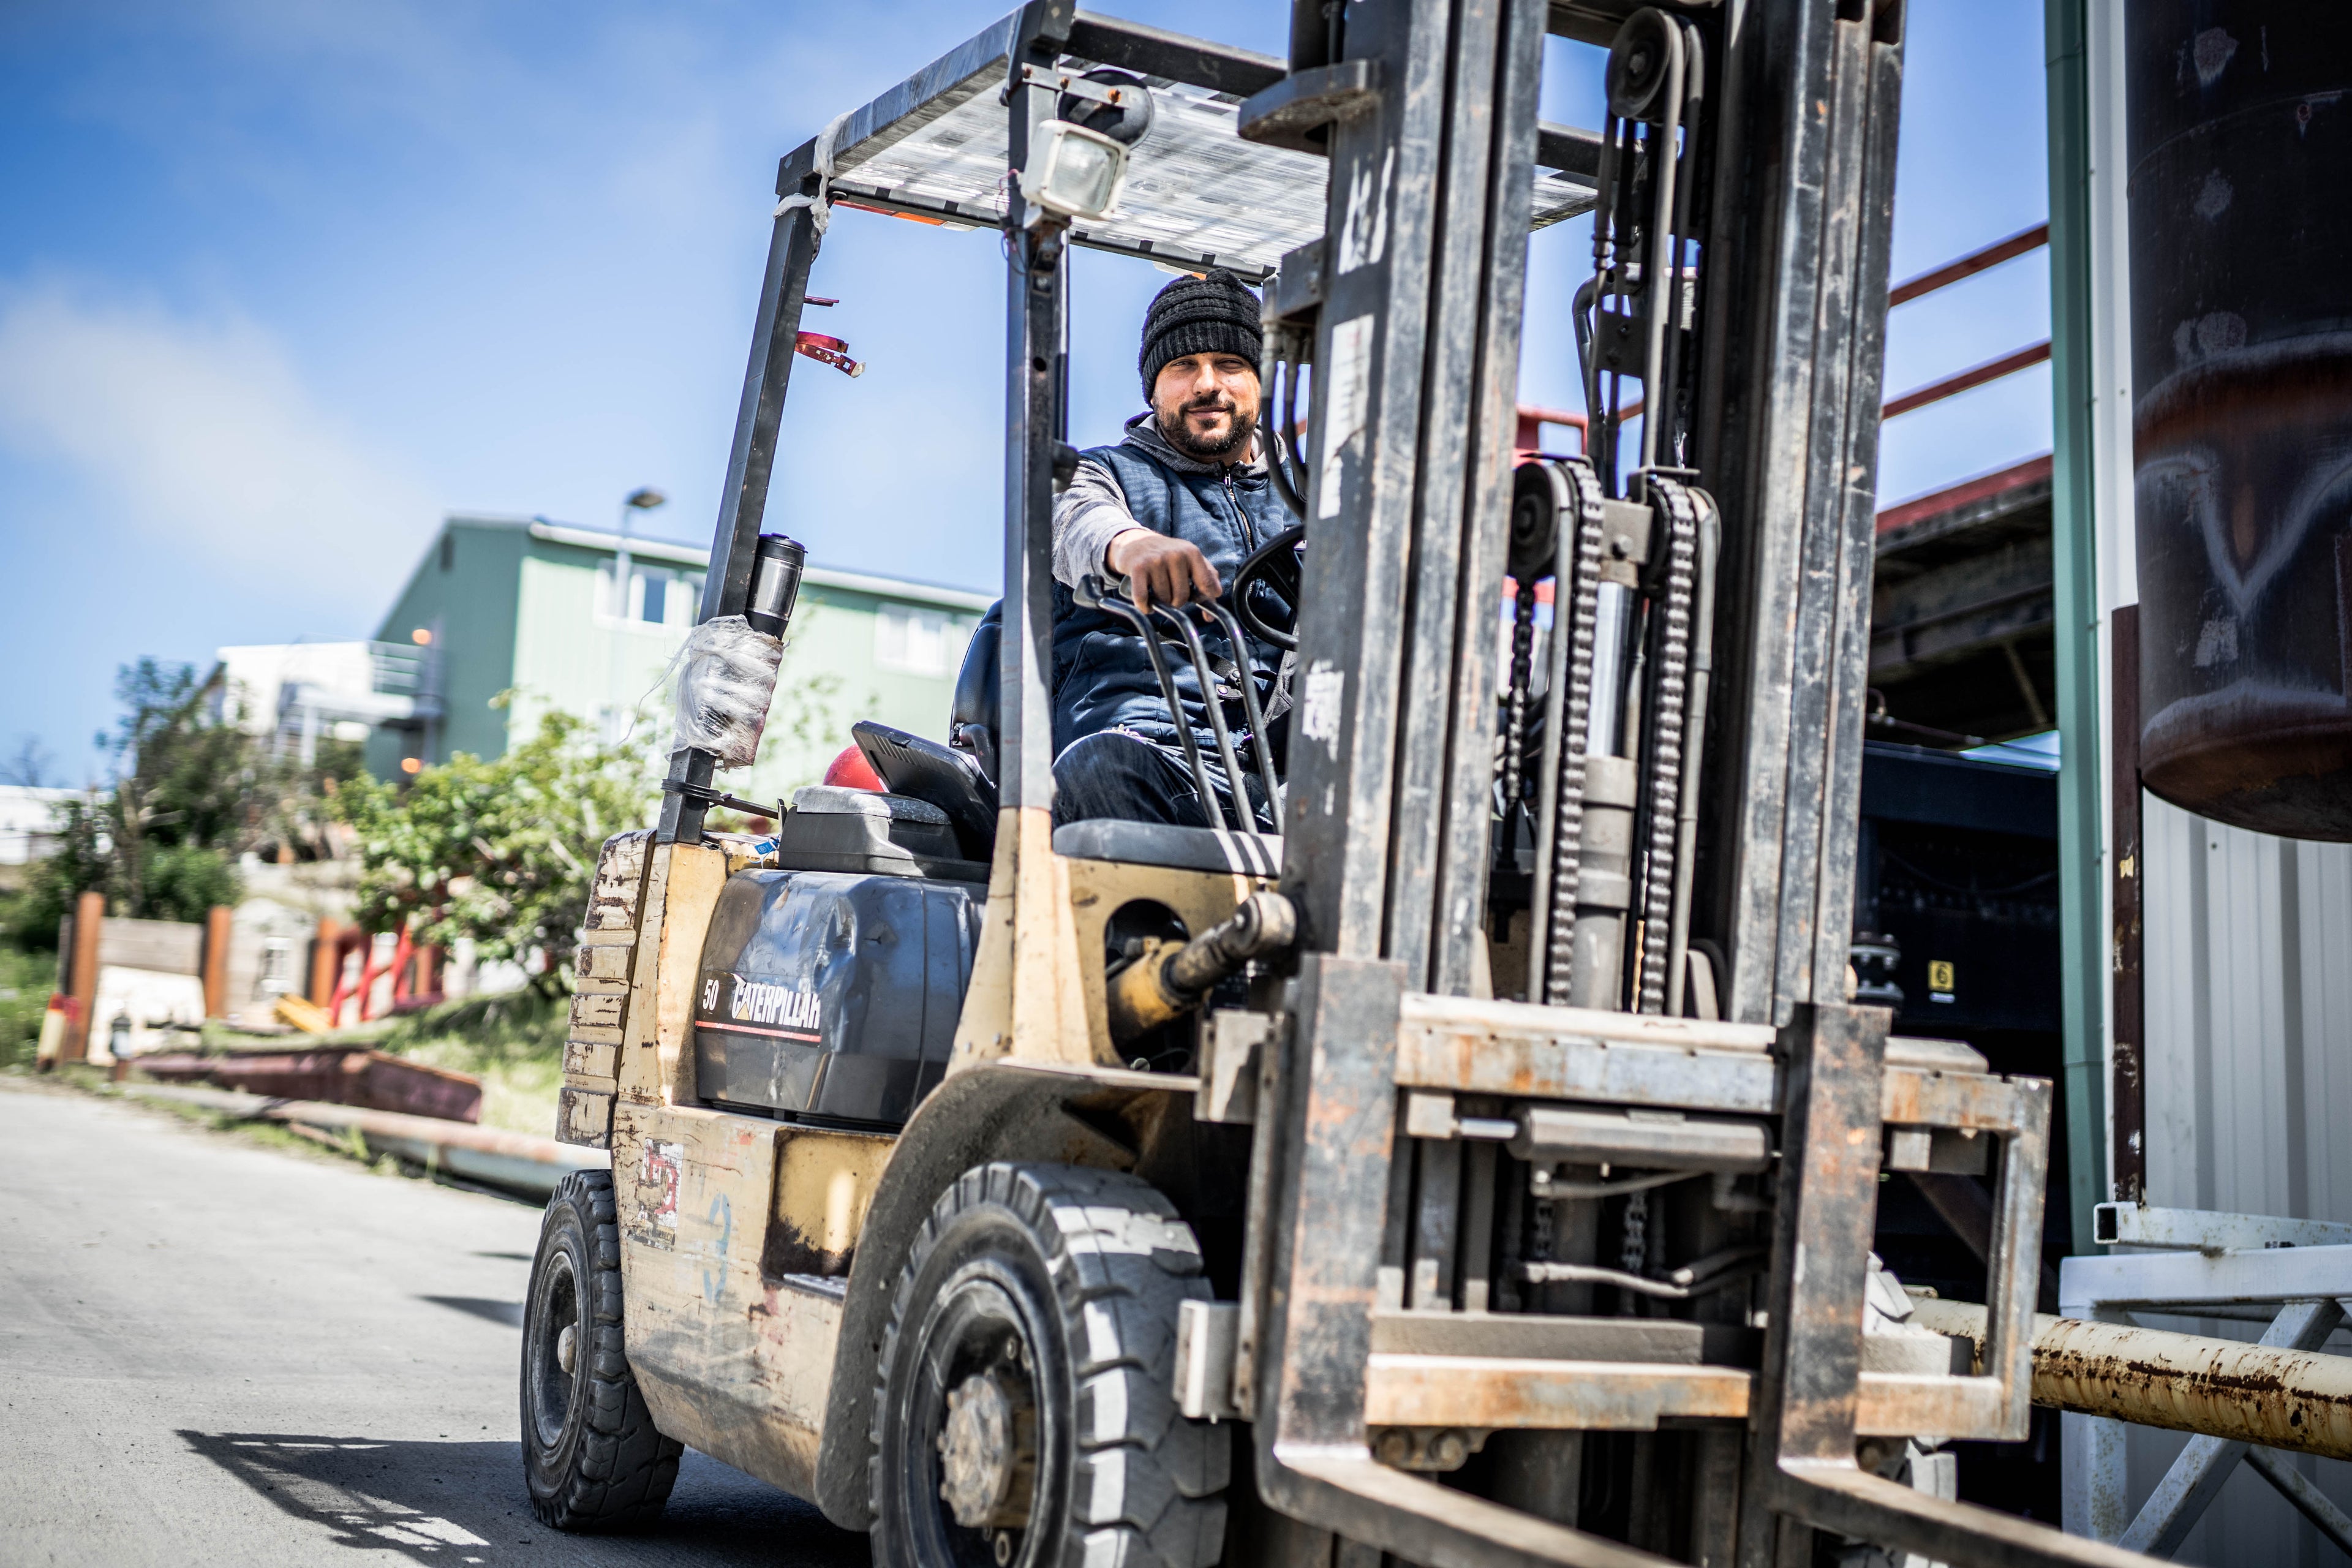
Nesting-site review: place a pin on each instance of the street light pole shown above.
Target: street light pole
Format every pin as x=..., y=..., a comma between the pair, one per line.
x=644, y=498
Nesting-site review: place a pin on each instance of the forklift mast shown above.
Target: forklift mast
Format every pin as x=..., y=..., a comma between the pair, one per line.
x=1664, y=871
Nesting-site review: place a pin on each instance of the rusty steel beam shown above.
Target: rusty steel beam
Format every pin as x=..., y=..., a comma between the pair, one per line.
x=2297, y=1400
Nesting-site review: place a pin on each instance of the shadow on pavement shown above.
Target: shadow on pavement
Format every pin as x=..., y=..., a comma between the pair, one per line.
x=509, y=1313
x=461, y=1503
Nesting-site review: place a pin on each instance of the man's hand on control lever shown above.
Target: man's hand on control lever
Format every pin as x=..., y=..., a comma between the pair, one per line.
x=1159, y=570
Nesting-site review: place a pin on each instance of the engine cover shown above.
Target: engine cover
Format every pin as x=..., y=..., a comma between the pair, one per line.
x=832, y=996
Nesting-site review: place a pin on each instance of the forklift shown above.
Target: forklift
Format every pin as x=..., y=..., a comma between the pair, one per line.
x=1481, y=1169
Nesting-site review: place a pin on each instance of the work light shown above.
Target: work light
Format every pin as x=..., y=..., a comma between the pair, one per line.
x=1073, y=170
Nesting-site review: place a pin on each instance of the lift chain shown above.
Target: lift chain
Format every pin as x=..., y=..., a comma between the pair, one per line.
x=1515, y=726
x=1581, y=594
x=1680, y=514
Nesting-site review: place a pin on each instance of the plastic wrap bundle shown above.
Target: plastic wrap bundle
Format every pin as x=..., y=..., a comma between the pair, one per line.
x=724, y=689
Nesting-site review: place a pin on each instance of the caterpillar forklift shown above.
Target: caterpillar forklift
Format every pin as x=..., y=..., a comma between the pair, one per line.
x=1480, y=1170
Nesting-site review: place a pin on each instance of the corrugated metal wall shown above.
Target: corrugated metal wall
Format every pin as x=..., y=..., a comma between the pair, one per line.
x=2248, y=947
x=2249, y=965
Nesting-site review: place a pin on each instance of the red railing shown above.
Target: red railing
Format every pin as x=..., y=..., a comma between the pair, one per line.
x=1951, y=272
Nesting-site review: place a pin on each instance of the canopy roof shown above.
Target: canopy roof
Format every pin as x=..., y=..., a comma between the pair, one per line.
x=936, y=146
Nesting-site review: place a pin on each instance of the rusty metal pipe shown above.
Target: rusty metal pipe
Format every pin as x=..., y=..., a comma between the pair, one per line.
x=1169, y=978
x=2296, y=1400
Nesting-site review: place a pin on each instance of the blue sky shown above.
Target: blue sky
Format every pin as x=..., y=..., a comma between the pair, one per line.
x=283, y=282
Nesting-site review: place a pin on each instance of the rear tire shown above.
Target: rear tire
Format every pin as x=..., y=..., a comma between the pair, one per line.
x=1027, y=1372
x=591, y=1454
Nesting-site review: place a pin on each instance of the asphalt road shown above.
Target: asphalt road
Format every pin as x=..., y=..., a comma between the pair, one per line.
x=215, y=1353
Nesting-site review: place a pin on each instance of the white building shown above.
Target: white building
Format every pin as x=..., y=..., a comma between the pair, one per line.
x=28, y=821
x=302, y=692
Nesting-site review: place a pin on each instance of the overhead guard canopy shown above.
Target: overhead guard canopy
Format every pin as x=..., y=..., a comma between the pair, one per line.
x=936, y=146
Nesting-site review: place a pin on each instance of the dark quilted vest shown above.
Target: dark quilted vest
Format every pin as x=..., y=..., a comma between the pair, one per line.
x=1102, y=675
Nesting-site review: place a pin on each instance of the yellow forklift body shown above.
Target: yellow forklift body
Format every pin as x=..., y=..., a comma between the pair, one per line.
x=739, y=1233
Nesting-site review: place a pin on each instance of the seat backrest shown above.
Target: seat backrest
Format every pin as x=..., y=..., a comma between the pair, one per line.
x=926, y=771
x=973, y=716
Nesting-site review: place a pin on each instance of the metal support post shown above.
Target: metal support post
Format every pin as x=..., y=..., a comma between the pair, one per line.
x=1803, y=1410
x=2093, y=1457
x=2074, y=593
x=1034, y=327
x=791, y=251
x=1445, y=757
x=1785, y=430
x=2312, y=1503
x=1369, y=350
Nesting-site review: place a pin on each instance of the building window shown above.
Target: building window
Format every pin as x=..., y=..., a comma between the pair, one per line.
x=919, y=642
x=658, y=596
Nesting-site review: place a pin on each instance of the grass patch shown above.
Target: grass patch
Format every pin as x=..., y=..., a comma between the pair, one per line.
x=512, y=1041
x=26, y=978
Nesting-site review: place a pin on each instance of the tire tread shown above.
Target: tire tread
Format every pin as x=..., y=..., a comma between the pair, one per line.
x=1147, y=1484
x=624, y=1468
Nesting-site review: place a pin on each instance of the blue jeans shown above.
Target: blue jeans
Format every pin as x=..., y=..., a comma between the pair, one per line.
x=1114, y=773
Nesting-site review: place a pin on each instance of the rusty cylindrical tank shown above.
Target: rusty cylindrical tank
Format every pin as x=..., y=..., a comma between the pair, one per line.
x=2240, y=125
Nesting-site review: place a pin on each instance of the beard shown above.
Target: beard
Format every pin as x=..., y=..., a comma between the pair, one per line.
x=1174, y=427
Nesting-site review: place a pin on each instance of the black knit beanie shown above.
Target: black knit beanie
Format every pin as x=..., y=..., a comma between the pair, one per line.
x=1211, y=315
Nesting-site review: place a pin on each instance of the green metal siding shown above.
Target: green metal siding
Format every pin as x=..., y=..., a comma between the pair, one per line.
x=833, y=648
x=470, y=606
x=519, y=612
x=568, y=656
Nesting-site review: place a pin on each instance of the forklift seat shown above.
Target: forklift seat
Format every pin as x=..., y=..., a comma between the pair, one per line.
x=1179, y=848
x=924, y=770
x=959, y=777
x=972, y=714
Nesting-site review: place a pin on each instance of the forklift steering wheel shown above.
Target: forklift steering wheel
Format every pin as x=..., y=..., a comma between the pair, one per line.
x=1274, y=564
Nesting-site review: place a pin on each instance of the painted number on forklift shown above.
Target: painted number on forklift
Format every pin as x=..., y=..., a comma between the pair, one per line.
x=1364, y=237
x=723, y=1214
x=1318, y=707
x=657, y=1188
x=1351, y=395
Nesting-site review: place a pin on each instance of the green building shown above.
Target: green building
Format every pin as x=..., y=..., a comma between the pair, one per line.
x=522, y=605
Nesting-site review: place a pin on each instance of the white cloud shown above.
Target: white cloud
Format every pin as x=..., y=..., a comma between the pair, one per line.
x=201, y=438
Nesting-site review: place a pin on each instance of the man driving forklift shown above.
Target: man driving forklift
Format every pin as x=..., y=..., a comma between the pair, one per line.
x=1173, y=509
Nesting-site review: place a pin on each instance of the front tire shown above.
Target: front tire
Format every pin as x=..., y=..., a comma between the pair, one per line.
x=590, y=1451
x=1024, y=1411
